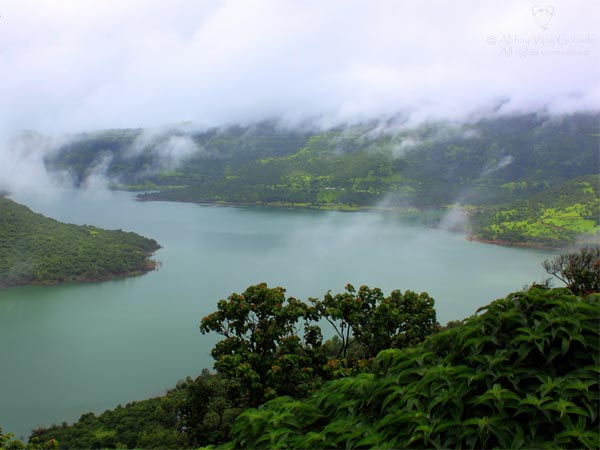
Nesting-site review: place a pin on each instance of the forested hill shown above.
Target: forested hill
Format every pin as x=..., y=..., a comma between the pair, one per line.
x=492, y=162
x=38, y=250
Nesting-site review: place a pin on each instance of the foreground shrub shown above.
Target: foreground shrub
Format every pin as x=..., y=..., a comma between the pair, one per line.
x=522, y=373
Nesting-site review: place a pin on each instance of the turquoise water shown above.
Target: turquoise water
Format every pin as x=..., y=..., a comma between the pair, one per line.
x=67, y=350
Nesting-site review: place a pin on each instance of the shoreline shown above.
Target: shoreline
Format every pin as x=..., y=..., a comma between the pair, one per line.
x=340, y=208
x=278, y=205
x=502, y=243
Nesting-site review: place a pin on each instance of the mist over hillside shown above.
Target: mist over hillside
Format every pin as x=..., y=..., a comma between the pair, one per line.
x=475, y=169
x=462, y=156
x=394, y=75
x=472, y=168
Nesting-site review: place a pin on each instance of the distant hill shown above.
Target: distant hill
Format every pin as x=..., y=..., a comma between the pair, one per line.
x=564, y=213
x=486, y=163
x=37, y=250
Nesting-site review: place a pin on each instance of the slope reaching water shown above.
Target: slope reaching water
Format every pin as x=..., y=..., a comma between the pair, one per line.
x=35, y=249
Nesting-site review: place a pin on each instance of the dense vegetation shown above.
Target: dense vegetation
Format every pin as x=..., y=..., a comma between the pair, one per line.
x=522, y=372
x=274, y=346
x=8, y=441
x=560, y=214
x=37, y=250
x=149, y=423
x=509, y=169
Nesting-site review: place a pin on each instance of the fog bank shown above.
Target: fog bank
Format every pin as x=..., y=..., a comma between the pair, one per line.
x=70, y=66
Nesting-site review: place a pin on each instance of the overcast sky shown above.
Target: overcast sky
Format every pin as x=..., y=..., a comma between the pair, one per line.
x=68, y=66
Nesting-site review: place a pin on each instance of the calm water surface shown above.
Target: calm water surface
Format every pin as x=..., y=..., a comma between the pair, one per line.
x=67, y=350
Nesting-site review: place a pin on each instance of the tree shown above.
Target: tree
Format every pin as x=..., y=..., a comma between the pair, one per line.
x=272, y=346
x=209, y=409
x=263, y=351
x=579, y=270
x=374, y=322
x=262, y=348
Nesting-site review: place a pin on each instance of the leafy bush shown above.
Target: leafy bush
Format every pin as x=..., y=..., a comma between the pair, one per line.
x=210, y=406
x=522, y=373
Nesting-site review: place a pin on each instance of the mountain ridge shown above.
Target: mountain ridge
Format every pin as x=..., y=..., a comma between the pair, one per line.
x=483, y=164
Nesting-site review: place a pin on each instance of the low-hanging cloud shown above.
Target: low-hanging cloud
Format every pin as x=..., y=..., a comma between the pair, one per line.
x=70, y=66
x=168, y=146
x=22, y=164
x=96, y=177
x=504, y=161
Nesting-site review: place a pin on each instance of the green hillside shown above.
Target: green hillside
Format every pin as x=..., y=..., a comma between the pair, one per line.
x=37, y=250
x=494, y=164
x=561, y=214
x=432, y=165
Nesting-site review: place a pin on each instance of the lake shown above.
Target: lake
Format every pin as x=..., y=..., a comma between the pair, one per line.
x=70, y=349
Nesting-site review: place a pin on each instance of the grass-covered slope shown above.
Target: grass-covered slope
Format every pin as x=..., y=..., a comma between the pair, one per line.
x=559, y=215
x=38, y=250
x=524, y=373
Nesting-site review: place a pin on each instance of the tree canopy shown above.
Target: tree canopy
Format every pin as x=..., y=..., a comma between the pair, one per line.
x=369, y=320
x=261, y=346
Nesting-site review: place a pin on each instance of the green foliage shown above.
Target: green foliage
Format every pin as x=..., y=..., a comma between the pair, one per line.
x=263, y=356
x=373, y=322
x=8, y=442
x=579, y=270
x=146, y=424
x=209, y=409
x=262, y=349
x=521, y=373
x=37, y=250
